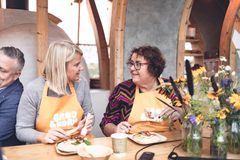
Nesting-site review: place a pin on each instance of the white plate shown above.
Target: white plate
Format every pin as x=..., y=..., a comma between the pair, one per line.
x=142, y=138
x=94, y=152
x=67, y=146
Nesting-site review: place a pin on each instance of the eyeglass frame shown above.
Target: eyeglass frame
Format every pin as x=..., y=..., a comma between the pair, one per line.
x=137, y=65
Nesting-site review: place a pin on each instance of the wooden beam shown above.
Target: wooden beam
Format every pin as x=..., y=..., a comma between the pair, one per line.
x=78, y=29
x=182, y=36
x=232, y=50
x=227, y=28
x=117, y=41
x=54, y=19
x=101, y=44
x=42, y=33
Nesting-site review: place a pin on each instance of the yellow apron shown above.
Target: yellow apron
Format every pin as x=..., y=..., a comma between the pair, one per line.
x=61, y=112
x=146, y=110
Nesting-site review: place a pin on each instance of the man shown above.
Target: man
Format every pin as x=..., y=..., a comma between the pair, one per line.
x=11, y=65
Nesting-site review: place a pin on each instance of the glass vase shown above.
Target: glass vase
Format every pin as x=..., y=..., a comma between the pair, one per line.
x=185, y=132
x=193, y=141
x=233, y=136
x=218, y=141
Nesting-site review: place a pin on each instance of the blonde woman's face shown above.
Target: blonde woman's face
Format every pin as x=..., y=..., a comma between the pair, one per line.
x=74, y=67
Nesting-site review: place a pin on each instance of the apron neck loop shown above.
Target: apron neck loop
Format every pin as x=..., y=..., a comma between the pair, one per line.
x=71, y=87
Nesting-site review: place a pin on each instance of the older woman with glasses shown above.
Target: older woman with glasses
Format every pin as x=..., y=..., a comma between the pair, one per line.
x=145, y=102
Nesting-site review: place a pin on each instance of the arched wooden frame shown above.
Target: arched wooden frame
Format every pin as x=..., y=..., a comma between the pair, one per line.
x=42, y=39
x=116, y=43
x=227, y=29
x=182, y=36
x=101, y=43
x=232, y=50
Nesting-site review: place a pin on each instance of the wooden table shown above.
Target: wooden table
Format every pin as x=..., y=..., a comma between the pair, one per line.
x=47, y=152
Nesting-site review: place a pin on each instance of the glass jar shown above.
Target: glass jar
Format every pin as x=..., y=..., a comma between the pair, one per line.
x=218, y=141
x=233, y=136
x=185, y=132
x=194, y=140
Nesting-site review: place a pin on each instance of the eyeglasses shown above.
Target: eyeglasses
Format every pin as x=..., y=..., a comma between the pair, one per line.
x=137, y=65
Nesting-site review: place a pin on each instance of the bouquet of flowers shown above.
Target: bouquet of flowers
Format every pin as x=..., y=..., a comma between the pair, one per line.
x=217, y=119
x=216, y=100
x=225, y=99
x=193, y=105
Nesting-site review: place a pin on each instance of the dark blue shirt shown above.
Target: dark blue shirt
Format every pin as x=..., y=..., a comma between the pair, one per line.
x=9, y=99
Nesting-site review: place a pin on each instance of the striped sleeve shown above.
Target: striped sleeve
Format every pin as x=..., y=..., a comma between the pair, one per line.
x=167, y=90
x=120, y=104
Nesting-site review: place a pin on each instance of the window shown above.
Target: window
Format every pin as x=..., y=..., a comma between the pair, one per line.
x=67, y=11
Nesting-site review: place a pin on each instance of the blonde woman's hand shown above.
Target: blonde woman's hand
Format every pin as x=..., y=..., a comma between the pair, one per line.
x=87, y=124
x=123, y=127
x=53, y=135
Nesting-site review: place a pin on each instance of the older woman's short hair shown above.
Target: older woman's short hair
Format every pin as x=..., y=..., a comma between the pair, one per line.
x=154, y=57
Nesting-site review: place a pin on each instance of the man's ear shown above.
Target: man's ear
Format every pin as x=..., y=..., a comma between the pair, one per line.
x=17, y=75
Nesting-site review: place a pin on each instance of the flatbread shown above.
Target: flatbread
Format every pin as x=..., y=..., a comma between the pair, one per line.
x=146, y=137
x=67, y=146
x=148, y=126
x=71, y=145
x=152, y=126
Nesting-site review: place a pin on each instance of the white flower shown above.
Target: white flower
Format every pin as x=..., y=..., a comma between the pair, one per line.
x=223, y=59
x=228, y=68
x=233, y=73
x=205, y=78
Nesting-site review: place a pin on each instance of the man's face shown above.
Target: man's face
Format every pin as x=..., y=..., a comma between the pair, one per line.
x=9, y=71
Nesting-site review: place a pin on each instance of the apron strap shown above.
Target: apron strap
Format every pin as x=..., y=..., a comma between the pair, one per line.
x=71, y=87
x=45, y=89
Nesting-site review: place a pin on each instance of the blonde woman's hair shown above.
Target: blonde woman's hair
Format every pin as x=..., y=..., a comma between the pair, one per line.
x=58, y=55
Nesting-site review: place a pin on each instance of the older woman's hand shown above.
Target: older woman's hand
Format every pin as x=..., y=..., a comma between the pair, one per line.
x=123, y=127
x=172, y=114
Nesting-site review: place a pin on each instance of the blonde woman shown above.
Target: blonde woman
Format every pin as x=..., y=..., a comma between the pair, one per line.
x=56, y=102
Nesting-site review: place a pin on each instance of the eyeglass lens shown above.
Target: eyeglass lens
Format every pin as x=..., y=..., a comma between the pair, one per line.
x=137, y=65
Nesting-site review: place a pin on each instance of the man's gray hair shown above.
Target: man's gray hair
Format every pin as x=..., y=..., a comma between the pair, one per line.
x=14, y=53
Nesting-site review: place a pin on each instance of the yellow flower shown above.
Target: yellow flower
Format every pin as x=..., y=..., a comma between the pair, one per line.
x=180, y=79
x=235, y=100
x=203, y=69
x=186, y=99
x=198, y=71
x=226, y=110
x=222, y=113
x=177, y=103
x=215, y=95
x=199, y=119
